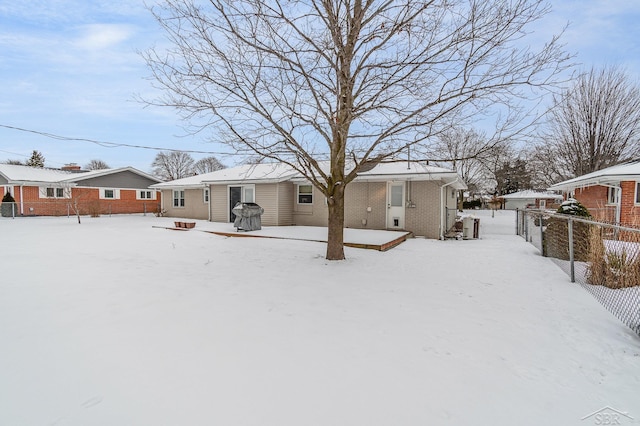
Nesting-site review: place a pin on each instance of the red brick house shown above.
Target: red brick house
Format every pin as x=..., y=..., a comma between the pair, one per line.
x=56, y=192
x=611, y=194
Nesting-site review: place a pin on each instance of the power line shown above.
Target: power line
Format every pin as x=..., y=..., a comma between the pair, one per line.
x=106, y=144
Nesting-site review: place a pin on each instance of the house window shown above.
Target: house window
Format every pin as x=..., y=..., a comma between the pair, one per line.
x=247, y=192
x=305, y=194
x=178, y=198
x=205, y=194
x=109, y=194
x=637, y=192
x=146, y=195
x=54, y=192
x=613, y=195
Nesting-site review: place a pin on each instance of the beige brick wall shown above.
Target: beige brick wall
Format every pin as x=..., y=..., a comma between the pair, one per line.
x=360, y=196
x=424, y=219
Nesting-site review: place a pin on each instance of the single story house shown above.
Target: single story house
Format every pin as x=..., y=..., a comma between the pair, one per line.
x=185, y=198
x=530, y=199
x=55, y=192
x=409, y=196
x=611, y=194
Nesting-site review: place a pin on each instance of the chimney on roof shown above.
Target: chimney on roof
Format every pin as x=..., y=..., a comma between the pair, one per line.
x=71, y=167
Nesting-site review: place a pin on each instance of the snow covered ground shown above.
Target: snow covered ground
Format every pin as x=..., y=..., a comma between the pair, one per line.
x=114, y=322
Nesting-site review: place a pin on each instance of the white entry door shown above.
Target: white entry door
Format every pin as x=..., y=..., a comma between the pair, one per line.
x=395, y=205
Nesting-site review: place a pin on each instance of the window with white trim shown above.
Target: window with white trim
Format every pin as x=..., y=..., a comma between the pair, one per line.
x=612, y=195
x=52, y=192
x=305, y=194
x=109, y=194
x=146, y=195
x=178, y=198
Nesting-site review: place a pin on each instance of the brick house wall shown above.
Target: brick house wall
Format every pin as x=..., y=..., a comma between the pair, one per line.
x=629, y=210
x=87, y=200
x=594, y=198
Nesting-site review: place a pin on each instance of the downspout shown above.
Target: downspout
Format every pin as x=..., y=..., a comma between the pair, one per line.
x=209, y=202
x=21, y=200
x=619, y=205
x=443, y=207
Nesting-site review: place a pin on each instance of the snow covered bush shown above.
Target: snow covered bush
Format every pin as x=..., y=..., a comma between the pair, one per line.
x=7, y=207
x=573, y=207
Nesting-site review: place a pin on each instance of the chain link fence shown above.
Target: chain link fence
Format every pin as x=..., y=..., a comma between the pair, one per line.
x=603, y=258
x=64, y=207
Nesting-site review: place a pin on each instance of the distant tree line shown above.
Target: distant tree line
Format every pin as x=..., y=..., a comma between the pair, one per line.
x=172, y=165
x=593, y=124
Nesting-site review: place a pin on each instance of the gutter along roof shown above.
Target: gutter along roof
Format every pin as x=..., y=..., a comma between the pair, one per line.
x=608, y=176
x=280, y=172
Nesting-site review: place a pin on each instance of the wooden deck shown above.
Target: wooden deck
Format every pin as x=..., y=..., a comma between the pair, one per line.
x=395, y=237
x=379, y=247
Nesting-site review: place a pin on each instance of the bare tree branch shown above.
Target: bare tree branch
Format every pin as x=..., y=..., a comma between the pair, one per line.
x=352, y=82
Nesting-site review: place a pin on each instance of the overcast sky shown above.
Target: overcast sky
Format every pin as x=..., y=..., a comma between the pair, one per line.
x=72, y=68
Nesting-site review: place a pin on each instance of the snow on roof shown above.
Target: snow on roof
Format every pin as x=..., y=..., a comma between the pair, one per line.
x=613, y=174
x=412, y=171
x=530, y=194
x=25, y=174
x=266, y=172
x=404, y=168
x=191, y=181
x=280, y=172
x=17, y=173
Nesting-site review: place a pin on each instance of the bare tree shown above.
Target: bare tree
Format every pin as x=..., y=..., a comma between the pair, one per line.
x=352, y=82
x=172, y=165
x=467, y=151
x=96, y=165
x=15, y=162
x=594, y=124
x=207, y=165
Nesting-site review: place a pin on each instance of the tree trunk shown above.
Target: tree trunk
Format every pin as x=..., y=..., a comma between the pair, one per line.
x=335, y=241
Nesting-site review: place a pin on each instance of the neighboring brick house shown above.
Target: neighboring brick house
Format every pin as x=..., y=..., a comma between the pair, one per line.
x=611, y=194
x=56, y=192
x=404, y=196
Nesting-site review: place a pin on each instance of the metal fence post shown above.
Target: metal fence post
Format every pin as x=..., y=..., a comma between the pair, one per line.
x=571, y=259
x=541, y=219
x=14, y=206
